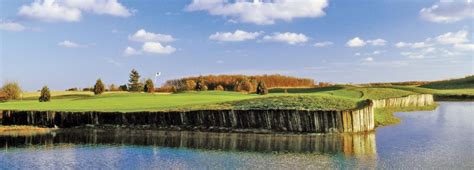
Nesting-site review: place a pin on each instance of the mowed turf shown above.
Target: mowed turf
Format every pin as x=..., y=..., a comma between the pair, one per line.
x=327, y=98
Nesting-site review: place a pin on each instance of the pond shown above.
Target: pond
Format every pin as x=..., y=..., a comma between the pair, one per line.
x=442, y=138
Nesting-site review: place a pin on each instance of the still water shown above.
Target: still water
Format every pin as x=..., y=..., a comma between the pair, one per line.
x=441, y=139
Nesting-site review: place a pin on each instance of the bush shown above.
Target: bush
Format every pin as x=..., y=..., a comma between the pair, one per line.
x=11, y=90
x=45, y=95
x=149, y=86
x=245, y=86
x=201, y=86
x=123, y=87
x=99, y=87
x=219, y=88
x=113, y=87
x=73, y=89
x=88, y=89
x=261, y=88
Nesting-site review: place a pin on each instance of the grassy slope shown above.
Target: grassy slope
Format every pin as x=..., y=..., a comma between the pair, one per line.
x=461, y=83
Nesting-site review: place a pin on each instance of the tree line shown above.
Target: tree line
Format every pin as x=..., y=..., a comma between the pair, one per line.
x=241, y=83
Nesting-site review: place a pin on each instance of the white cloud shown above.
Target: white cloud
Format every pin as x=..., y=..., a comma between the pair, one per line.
x=323, y=44
x=377, y=42
x=11, y=26
x=369, y=59
x=464, y=47
x=101, y=7
x=422, y=53
x=453, y=38
x=69, y=44
x=376, y=52
x=288, y=37
x=448, y=11
x=238, y=35
x=359, y=42
x=70, y=10
x=129, y=51
x=157, y=48
x=413, y=45
x=143, y=36
x=356, y=42
x=261, y=11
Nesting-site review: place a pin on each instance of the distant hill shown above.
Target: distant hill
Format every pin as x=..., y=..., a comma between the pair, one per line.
x=460, y=83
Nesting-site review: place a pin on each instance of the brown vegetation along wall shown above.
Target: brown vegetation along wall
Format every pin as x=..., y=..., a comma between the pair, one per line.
x=301, y=121
x=411, y=100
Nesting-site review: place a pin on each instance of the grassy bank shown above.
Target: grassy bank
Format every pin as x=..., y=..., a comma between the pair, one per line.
x=327, y=98
x=385, y=116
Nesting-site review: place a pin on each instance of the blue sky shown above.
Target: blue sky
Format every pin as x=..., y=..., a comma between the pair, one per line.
x=71, y=43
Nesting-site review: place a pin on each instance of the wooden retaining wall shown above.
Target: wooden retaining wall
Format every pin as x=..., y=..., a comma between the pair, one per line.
x=407, y=101
x=300, y=121
x=305, y=121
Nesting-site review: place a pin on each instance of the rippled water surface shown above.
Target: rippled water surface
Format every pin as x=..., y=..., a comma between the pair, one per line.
x=440, y=139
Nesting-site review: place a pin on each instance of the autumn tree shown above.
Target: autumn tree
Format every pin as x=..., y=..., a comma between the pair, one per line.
x=99, y=87
x=11, y=90
x=149, y=86
x=261, y=88
x=45, y=95
x=200, y=85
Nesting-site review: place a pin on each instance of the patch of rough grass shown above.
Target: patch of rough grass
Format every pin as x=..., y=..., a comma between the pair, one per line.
x=386, y=117
x=23, y=130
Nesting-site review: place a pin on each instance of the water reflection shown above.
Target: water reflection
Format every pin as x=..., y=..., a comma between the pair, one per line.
x=346, y=144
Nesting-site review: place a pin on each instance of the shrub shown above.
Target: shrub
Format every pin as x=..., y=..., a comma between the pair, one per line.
x=88, y=89
x=99, y=87
x=219, y=88
x=134, y=82
x=190, y=85
x=45, y=95
x=73, y=89
x=261, y=88
x=246, y=86
x=149, y=86
x=3, y=96
x=113, y=87
x=123, y=87
x=173, y=89
x=201, y=86
x=11, y=90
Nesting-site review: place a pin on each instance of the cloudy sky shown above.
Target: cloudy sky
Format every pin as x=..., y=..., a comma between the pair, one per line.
x=68, y=43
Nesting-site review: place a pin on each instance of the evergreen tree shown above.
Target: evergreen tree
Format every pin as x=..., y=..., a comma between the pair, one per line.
x=45, y=94
x=149, y=86
x=99, y=87
x=134, y=82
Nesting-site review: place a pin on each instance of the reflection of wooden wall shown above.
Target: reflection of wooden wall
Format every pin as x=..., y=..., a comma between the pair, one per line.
x=361, y=144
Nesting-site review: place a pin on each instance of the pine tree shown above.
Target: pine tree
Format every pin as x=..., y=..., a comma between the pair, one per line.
x=134, y=82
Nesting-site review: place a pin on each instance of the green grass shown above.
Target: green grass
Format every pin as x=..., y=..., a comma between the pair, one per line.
x=385, y=116
x=127, y=102
x=461, y=83
x=327, y=98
